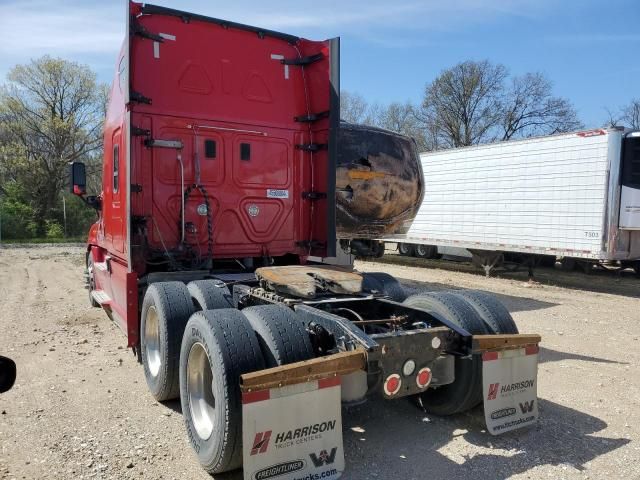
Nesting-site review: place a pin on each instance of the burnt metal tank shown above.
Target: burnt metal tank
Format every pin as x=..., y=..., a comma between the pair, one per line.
x=379, y=183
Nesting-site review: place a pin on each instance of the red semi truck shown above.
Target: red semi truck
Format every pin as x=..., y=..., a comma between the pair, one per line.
x=222, y=148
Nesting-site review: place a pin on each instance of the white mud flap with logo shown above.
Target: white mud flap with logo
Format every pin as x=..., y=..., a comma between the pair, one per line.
x=509, y=385
x=293, y=432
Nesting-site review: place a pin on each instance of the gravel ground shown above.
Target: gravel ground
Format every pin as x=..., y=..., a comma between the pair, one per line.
x=80, y=408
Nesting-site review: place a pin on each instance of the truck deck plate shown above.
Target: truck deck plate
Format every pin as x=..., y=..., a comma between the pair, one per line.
x=304, y=281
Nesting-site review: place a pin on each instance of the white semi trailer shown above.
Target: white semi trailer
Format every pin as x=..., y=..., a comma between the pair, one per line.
x=573, y=196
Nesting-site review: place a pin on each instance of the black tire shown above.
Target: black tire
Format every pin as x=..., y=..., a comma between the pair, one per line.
x=210, y=295
x=426, y=251
x=568, y=264
x=282, y=336
x=166, y=308
x=224, y=339
x=406, y=249
x=585, y=266
x=636, y=268
x=548, y=261
x=466, y=391
x=385, y=284
x=91, y=279
x=494, y=314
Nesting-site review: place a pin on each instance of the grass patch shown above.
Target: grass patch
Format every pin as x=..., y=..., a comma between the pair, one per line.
x=38, y=241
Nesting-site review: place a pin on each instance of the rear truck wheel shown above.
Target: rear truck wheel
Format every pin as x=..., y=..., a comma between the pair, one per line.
x=636, y=268
x=494, y=314
x=586, y=266
x=91, y=280
x=466, y=390
x=218, y=346
x=166, y=308
x=378, y=249
x=426, y=251
x=406, y=249
x=548, y=261
x=210, y=295
x=568, y=264
x=385, y=284
x=282, y=337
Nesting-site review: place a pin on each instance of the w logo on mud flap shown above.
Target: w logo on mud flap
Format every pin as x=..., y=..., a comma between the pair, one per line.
x=493, y=391
x=527, y=407
x=324, y=458
x=261, y=442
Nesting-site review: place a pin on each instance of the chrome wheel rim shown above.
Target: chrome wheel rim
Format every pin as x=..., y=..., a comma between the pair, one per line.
x=202, y=402
x=152, y=341
x=92, y=282
x=421, y=250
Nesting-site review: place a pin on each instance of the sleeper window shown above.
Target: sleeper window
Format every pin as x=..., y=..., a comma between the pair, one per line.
x=116, y=167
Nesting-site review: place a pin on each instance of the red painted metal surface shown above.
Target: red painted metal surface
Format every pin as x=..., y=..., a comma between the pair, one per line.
x=202, y=101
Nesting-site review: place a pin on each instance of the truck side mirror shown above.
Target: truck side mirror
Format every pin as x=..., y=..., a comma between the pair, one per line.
x=78, y=178
x=7, y=374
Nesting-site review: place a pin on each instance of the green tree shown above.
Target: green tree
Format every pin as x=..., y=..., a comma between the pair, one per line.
x=51, y=113
x=16, y=215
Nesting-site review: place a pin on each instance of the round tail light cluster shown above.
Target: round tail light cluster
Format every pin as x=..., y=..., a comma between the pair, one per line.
x=423, y=379
x=392, y=384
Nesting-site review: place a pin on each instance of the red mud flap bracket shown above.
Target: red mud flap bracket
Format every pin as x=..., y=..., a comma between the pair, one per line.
x=291, y=419
x=509, y=380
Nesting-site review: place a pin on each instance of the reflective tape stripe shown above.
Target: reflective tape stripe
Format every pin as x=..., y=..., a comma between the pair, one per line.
x=488, y=356
x=531, y=350
x=257, y=396
x=517, y=352
x=285, y=391
x=329, y=382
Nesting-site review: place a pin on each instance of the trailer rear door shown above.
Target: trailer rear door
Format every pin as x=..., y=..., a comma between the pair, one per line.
x=630, y=190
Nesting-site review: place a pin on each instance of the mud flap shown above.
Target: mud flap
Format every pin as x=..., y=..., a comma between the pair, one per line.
x=293, y=432
x=509, y=385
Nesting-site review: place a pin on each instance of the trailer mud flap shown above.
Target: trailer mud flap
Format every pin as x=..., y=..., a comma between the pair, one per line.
x=509, y=385
x=293, y=432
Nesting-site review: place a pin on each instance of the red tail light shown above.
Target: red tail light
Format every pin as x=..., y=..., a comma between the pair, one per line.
x=392, y=384
x=423, y=379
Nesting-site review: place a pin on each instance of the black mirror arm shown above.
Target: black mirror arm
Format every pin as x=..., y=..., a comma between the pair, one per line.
x=92, y=201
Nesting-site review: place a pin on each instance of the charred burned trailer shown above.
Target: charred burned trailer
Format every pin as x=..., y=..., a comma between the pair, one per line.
x=221, y=178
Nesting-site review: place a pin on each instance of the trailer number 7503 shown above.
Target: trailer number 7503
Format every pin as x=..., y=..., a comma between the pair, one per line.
x=592, y=234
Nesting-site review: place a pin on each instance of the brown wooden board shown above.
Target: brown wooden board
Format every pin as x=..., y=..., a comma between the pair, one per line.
x=483, y=343
x=323, y=367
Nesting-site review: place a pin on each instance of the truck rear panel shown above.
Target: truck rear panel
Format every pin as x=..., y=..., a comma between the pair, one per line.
x=238, y=103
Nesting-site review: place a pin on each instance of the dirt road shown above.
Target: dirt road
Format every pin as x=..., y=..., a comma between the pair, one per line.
x=80, y=408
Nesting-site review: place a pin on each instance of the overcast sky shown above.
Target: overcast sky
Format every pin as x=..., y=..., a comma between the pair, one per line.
x=390, y=49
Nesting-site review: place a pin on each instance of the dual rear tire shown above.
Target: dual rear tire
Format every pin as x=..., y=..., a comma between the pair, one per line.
x=218, y=347
x=166, y=308
x=383, y=283
x=200, y=357
x=418, y=250
x=477, y=313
